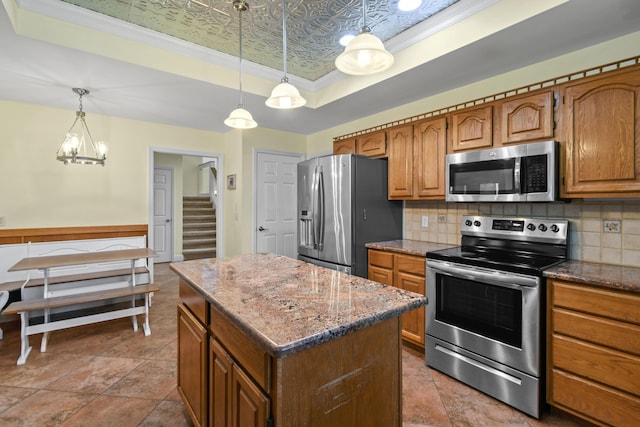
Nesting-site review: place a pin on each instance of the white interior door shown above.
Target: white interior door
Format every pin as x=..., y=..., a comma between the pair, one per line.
x=276, y=189
x=163, y=214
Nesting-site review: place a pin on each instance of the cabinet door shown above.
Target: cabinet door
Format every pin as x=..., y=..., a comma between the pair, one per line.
x=380, y=275
x=192, y=365
x=413, y=322
x=526, y=118
x=220, y=364
x=372, y=144
x=400, y=162
x=429, y=150
x=602, y=124
x=472, y=129
x=344, y=146
x=249, y=405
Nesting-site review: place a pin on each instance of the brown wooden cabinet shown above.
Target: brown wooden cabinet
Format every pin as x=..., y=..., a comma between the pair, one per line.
x=405, y=272
x=344, y=146
x=400, y=176
x=429, y=155
x=525, y=118
x=594, y=353
x=471, y=129
x=372, y=144
x=192, y=365
x=601, y=135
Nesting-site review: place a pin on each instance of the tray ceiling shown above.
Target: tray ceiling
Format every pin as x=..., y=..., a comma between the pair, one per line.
x=314, y=27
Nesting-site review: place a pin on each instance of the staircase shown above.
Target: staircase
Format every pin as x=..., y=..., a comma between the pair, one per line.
x=198, y=228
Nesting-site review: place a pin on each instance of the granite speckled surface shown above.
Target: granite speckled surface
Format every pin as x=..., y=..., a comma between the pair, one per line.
x=287, y=305
x=409, y=247
x=603, y=275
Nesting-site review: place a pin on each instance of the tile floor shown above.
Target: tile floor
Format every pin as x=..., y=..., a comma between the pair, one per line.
x=107, y=375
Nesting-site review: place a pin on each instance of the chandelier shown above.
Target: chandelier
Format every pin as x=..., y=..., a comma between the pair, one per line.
x=78, y=146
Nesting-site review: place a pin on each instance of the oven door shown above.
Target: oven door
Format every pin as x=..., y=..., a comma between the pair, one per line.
x=491, y=313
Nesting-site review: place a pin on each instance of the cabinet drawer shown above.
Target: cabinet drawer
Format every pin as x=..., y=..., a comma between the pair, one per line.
x=598, y=330
x=614, y=305
x=380, y=275
x=381, y=258
x=596, y=401
x=614, y=368
x=255, y=361
x=411, y=264
x=194, y=301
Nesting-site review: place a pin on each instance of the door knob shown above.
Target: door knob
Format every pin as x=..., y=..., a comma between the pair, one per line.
x=168, y=220
x=261, y=228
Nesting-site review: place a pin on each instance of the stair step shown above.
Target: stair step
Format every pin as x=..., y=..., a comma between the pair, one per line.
x=193, y=226
x=204, y=233
x=198, y=218
x=199, y=242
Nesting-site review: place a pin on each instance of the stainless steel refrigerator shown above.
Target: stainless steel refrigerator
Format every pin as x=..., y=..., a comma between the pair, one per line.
x=342, y=204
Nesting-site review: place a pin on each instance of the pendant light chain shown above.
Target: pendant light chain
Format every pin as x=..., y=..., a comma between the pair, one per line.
x=284, y=38
x=364, y=16
x=240, y=77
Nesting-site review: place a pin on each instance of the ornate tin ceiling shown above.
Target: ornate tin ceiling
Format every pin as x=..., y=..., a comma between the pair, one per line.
x=314, y=27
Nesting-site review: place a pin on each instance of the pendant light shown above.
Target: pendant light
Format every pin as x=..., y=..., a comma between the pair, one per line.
x=365, y=54
x=285, y=95
x=240, y=118
x=78, y=146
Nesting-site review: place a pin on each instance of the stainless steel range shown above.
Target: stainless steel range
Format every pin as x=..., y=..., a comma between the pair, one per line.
x=485, y=322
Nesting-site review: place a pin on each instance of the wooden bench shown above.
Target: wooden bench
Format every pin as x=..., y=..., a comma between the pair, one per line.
x=99, y=276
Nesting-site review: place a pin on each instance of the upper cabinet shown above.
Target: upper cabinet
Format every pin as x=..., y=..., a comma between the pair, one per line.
x=471, y=129
x=601, y=135
x=400, y=175
x=344, y=146
x=372, y=144
x=429, y=151
x=525, y=118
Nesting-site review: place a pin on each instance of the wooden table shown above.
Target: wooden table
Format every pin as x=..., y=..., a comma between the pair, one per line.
x=46, y=263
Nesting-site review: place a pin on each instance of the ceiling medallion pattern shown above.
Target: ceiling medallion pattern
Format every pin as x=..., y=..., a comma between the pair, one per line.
x=314, y=26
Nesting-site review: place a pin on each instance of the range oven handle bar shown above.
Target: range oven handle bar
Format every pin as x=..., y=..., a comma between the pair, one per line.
x=478, y=274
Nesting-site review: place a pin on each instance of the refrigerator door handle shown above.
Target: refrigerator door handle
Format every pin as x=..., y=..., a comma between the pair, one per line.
x=321, y=209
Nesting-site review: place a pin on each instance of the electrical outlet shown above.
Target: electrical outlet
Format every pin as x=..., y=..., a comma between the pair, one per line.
x=611, y=226
x=425, y=221
x=442, y=218
x=3, y=221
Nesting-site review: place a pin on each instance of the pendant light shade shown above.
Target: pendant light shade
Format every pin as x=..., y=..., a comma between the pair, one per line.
x=240, y=118
x=285, y=95
x=365, y=54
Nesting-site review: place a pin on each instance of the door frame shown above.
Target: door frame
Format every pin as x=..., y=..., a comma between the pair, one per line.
x=171, y=208
x=219, y=210
x=254, y=213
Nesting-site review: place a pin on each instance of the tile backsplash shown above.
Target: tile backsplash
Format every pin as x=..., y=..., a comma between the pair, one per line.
x=599, y=231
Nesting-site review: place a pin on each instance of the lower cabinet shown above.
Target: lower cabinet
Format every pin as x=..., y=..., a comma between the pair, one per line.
x=404, y=272
x=594, y=353
x=225, y=379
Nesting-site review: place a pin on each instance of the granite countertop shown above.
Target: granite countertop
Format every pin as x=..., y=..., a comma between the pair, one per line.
x=287, y=305
x=603, y=275
x=410, y=247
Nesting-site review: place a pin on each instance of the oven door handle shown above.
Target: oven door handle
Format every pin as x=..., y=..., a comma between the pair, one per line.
x=504, y=279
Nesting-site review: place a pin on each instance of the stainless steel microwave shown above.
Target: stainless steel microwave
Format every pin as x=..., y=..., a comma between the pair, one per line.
x=519, y=173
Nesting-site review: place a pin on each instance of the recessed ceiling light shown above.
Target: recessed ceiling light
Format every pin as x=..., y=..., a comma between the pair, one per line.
x=344, y=40
x=409, y=5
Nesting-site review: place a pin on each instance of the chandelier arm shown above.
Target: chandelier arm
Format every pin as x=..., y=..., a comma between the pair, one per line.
x=86, y=129
x=74, y=123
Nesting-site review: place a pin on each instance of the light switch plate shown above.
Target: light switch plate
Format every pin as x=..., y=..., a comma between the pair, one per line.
x=425, y=221
x=611, y=226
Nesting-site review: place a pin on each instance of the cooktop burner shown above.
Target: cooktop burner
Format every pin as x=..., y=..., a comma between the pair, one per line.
x=526, y=246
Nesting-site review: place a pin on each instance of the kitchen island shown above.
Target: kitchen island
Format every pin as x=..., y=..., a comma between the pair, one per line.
x=270, y=340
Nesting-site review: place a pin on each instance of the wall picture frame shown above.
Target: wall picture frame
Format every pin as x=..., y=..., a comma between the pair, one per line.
x=231, y=182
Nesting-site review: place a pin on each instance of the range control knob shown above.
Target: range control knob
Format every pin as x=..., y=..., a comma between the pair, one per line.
x=542, y=227
x=468, y=223
x=555, y=228
x=477, y=223
x=531, y=227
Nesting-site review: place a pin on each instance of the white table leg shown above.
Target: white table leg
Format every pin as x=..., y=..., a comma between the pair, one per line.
x=145, y=326
x=25, y=348
x=45, y=336
x=4, y=297
x=133, y=299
